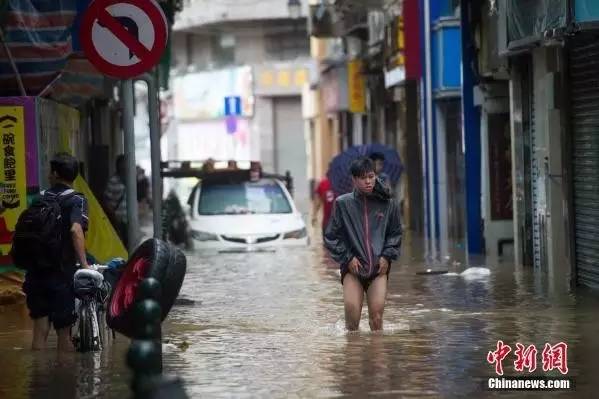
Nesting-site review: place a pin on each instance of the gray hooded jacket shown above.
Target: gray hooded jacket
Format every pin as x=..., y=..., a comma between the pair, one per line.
x=367, y=227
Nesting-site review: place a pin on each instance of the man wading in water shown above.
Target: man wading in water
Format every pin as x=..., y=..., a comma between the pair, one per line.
x=364, y=237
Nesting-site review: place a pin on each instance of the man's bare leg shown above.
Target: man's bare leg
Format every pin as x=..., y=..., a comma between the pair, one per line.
x=65, y=344
x=41, y=329
x=376, y=296
x=353, y=298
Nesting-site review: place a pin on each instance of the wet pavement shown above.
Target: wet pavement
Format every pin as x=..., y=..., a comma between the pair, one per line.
x=271, y=325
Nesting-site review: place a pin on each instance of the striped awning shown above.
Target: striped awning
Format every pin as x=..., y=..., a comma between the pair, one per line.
x=42, y=37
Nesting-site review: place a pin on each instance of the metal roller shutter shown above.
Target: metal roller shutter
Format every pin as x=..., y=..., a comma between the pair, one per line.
x=584, y=80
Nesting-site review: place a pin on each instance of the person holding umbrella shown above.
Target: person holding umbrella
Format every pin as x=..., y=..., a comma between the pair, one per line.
x=364, y=237
x=379, y=166
x=388, y=166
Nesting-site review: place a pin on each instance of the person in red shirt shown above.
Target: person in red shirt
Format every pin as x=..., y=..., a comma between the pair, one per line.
x=324, y=197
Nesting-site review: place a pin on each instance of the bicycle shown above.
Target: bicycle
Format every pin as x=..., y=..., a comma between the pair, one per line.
x=91, y=292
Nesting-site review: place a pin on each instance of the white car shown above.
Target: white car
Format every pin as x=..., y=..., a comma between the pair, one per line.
x=233, y=214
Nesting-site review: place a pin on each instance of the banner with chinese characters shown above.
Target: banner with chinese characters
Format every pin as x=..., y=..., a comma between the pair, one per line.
x=357, y=87
x=13, y=177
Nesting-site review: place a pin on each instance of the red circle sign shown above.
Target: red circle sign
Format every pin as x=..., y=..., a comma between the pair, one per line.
x=123, y=30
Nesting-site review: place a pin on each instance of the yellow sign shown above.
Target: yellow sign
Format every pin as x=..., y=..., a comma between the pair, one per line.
x=284, y=78
x=301, y=77
x=400, y=59
x=267, y=78
x=101, y=239
x=357, y=87
x=13, y=178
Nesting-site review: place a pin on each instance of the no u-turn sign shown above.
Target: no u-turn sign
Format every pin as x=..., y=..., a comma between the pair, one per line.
x=124, y=38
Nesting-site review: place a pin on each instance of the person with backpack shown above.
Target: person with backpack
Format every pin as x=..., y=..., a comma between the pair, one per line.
x=48, y=243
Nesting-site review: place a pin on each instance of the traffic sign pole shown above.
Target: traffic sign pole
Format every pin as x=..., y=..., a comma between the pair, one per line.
x=127, y=94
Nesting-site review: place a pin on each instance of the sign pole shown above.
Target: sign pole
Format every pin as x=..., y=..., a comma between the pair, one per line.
x=154, y=107
x=127, y=94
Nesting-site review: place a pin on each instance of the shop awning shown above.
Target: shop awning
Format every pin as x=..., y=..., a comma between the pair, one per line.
x=42, y=38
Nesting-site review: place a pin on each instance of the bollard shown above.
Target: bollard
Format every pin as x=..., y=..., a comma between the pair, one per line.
x=145, y=353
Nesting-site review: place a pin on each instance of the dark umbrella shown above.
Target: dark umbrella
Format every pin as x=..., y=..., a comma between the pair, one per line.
x=339, y=171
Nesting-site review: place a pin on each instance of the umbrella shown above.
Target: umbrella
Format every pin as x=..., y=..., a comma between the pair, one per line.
x=339, y=170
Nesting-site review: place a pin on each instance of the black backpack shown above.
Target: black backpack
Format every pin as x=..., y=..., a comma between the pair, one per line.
x=38, y=238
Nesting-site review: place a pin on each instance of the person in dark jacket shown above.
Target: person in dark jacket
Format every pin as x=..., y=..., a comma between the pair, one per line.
x=364, y=237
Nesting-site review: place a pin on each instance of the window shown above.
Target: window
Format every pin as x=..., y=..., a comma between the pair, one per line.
x=223, y=50
x=287, y=46
x=263, y=197
x=450, y=8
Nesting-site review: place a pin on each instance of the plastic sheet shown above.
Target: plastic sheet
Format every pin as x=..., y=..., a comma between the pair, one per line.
x=531, y=18
x=38, y=34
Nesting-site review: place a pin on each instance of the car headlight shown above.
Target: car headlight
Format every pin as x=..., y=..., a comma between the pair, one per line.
x=203, y=236
x=296, y=234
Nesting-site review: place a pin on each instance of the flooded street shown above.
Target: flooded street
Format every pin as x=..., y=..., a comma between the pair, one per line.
x=271, y=325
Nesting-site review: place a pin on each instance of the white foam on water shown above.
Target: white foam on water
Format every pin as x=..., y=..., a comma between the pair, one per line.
x=418, y=311
x=476, y=274
x=476, y=271
x=338, y=329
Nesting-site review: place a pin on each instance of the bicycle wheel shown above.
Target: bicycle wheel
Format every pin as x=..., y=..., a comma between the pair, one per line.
x=104, y=335
x=86, y=329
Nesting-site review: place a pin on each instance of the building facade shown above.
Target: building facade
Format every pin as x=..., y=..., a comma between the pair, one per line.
x=367, y=88
x=239, y=71
x=553, y=106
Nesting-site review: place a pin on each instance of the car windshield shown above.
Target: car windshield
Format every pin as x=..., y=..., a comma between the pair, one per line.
x=264, y=197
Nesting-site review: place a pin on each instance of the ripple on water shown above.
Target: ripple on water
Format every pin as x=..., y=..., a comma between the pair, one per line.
x=271, y=325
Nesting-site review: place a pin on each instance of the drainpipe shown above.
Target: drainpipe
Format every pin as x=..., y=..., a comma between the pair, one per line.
x=154, y=114
x=127, y=94
x=429, y=125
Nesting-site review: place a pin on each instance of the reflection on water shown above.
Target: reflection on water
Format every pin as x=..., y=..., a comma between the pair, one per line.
x=271, y=325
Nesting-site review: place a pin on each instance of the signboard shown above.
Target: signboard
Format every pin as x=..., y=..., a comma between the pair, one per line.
x=124, y=38
x=357, y=87
x=233, y=106
x=335, y=87
x=281, y=79
x=395, y=76
x=199, y=96
x=13, y=179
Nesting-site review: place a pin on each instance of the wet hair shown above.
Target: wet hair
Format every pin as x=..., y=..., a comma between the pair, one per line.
x=361, y=167
x=65, y=166
x=377, y=156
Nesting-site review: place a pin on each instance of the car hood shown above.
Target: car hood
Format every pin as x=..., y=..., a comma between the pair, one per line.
x=248, y=225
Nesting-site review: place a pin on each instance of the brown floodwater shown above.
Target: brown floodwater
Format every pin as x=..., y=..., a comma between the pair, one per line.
x=271, y=325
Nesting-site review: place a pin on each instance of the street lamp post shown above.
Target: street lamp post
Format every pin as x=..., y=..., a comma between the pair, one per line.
x=295, y=8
